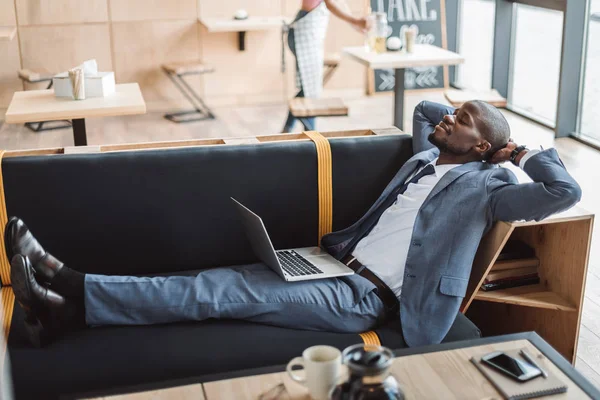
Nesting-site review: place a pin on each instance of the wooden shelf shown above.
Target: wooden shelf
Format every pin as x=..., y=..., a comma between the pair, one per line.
x=243, y=25
x=529, y=296
x=7, y=33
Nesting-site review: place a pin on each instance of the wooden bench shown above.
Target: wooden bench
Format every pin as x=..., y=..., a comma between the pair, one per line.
x=302, y=107
x=176, y=71
x=37, y=76
x=330, y=64
x=31, y=76
x=459, y=97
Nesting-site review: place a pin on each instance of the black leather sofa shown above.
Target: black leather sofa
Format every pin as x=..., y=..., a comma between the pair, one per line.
x=168, y=211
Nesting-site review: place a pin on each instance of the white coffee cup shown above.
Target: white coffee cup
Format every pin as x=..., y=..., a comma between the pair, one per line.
x=322, y=367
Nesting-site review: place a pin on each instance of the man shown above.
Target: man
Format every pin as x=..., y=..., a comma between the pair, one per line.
x=412, y=251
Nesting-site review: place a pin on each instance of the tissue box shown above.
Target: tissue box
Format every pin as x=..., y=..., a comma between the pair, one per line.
x=98, y=85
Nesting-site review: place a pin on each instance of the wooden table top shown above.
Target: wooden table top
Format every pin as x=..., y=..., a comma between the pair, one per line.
x=441, y=375
x=432, y=372
x=423, y=55
x=42, y=105
x=7, y=33
x=242, y=25
x=188, y=392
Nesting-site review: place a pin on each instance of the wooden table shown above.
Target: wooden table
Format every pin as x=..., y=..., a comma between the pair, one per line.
x=42, y=105
x=243, y=25
x=7, y=33
x=433, y=372
x=424, y=55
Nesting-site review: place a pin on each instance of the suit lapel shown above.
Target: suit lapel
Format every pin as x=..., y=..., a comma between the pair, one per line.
x=406, y=170
x=345, y=236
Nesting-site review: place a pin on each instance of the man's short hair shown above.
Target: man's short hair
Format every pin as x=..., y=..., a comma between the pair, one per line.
x=493, y=126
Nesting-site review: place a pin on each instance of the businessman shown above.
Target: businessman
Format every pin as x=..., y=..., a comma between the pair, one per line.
x=412, y=250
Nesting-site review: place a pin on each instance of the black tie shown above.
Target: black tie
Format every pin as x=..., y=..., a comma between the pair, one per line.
x=370, y=223
x=428, y=170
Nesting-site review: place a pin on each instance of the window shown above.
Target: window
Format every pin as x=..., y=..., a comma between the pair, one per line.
x=476, y=44
x=590, y=111
x=535, y=62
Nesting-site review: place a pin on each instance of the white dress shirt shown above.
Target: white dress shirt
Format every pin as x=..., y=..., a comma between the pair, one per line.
x=385, y=248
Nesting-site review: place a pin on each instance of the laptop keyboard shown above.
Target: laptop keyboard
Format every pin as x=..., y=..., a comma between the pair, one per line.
x=296, y=265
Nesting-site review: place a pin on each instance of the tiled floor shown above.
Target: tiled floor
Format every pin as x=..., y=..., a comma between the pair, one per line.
x=365, y=112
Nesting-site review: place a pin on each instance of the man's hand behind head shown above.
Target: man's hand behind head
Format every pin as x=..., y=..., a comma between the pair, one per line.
x=503, y=154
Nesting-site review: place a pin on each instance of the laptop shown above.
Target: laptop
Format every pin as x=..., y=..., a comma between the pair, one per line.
x=292, y=265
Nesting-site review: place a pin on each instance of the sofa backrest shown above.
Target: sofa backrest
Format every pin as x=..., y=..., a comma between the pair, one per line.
x=156, y=211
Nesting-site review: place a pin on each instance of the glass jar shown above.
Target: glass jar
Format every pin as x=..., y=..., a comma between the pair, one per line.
x=378, y=32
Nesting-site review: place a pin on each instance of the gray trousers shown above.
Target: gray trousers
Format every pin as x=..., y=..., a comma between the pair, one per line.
x=247, y=292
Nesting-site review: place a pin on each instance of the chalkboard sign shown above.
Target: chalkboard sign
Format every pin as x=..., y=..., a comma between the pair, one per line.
x=429, y=18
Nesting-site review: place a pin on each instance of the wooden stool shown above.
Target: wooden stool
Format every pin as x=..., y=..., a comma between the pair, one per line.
x=330, y=64
x=176, y=71
x=30, y=76
x=302, y=108
x=459, y=97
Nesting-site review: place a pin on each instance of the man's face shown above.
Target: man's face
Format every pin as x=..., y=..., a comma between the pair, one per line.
x=458, y=134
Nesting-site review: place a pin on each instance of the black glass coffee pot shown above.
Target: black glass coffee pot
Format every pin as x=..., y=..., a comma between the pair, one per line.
x=370, y=378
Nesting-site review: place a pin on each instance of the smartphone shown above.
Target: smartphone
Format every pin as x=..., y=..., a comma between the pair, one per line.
x=519, y=370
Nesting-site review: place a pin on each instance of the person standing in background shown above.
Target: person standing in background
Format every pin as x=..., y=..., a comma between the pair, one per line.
x=306, y=39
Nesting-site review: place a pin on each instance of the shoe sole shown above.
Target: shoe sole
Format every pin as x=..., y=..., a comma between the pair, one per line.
x=22, y=291
x=7, y=245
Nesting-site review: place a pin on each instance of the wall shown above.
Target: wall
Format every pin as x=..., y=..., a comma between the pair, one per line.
x=134, y=37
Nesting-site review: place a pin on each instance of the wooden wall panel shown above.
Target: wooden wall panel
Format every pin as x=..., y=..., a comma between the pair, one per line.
x=143, y=10
x=356, y=7
x=141, y=47
x=58, y=48
x=350, y=74
x=246, y=75
x=226, y=9
x=55, y=35
x=10, y=64
x=7, y=13
x=44, y=12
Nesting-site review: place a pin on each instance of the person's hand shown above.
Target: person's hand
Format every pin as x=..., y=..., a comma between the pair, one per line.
x=362, y=24
x=503, y=154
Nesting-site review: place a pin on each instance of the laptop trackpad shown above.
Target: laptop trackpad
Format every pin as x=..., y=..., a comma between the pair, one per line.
x=308, y=252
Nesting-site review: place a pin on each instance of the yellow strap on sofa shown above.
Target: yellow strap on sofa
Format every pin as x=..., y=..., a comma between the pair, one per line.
x=370, y=338
x=7, y=296
x=7, y=302
x=4, y=262
x=324, y=182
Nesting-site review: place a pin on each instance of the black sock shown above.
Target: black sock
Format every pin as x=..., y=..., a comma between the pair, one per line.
x=68, y=282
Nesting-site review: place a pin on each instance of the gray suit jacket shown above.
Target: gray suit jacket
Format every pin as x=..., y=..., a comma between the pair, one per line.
x=460, y=209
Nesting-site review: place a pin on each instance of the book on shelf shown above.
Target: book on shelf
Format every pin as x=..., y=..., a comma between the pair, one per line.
x=510, y=273
x=514, y=278
x=518, y=263
x=507, y=284
x=516, y=249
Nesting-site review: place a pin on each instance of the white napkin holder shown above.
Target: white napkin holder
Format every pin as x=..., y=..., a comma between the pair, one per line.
x=97, y=84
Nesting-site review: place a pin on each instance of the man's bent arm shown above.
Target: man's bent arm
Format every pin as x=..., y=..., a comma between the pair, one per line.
x=426, y=116
x=552, y=190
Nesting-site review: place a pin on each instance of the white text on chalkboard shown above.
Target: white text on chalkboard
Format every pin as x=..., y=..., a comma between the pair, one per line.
x=408, y=10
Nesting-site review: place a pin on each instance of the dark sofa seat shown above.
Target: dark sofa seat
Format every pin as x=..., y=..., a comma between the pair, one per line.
x=168, y=211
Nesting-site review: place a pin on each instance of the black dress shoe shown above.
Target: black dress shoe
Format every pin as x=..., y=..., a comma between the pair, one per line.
x=32, y=296
x=38, y=302
x=18, y=239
